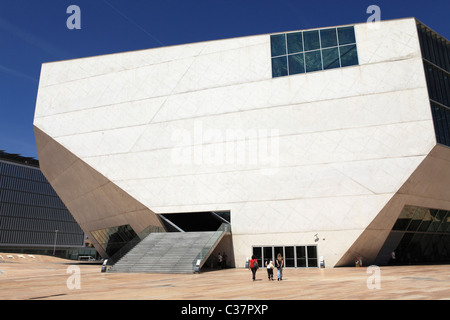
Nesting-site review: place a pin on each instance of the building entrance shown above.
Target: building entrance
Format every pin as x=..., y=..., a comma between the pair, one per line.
x=302, y=256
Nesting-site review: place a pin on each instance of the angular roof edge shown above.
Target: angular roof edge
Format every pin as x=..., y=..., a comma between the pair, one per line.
x=198, y=42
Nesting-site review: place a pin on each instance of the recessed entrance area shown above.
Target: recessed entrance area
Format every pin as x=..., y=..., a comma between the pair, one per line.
x=301, y=256
x=194, y=221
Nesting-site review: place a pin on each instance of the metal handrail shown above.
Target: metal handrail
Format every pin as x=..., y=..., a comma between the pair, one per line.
x=224, y=227
x=131, y=244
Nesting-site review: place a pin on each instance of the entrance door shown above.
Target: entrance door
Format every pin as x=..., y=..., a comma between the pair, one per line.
x=289, y=258
x=312, y=256
x=294, y=256
x=267, y=254
x=301, y=256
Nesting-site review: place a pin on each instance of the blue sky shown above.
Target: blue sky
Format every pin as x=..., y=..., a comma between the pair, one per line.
x=33, y=32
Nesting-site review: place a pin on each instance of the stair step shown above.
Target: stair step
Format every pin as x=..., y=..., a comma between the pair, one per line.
x=164, y=253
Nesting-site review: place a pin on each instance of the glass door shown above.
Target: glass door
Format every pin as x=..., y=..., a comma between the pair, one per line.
x=294, y=256
x=257, y=251
x=301, y=256
x=312, y=256
x=268, y=254
x=289, y=258
x=278, y=250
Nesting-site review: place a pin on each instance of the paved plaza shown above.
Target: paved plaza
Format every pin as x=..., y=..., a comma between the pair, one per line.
x=57, y=279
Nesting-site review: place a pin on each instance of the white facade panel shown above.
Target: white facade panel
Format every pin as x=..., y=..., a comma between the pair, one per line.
x=205, y=127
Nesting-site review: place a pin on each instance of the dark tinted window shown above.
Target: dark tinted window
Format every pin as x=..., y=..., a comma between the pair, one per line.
x=314, y=50
x=349, y=56
x=328, y=38
x=278, y=44
x=346, y=35
x=279, y=66
x=330, y=58
x=296, y=63
x=311, y=39
x=313, y=61
x=295, y=42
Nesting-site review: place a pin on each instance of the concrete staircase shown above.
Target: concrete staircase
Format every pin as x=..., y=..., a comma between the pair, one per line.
x=167, y=252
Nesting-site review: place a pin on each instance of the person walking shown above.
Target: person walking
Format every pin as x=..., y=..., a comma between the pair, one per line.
x=270, y=268
x=253, y=266
x=280, y=264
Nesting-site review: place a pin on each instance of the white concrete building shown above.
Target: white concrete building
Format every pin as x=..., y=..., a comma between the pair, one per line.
x=317, y=142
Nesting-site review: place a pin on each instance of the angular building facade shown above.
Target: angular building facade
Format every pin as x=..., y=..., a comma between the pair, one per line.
x=329, y=143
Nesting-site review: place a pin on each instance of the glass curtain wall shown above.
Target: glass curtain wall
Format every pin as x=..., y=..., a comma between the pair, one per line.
x=436, y=60
x=425, y=236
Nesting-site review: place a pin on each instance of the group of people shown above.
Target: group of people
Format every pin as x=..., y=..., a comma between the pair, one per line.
x=270, y=266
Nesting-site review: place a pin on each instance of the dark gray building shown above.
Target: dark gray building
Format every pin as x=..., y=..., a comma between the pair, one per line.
x=33, y=219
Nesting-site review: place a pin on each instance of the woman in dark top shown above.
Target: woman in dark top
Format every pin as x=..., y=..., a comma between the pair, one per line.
x=279, y=264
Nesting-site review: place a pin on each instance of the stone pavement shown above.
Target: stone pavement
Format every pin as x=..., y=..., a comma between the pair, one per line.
x=57, y=279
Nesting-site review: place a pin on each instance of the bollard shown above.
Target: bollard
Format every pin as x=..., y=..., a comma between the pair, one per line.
x=197, y=266
x=322, y=262
x=104, y=267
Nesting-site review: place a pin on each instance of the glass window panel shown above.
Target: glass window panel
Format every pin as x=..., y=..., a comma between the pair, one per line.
x=349, y=55
x=330, y=58
x=301, y=256
x=445, y=223
x=438, y=216
x=278, y=250
x=312, y=252
x=295, y=42
x=427, y=247
x=267, y=251
x=296, y=64
x=437, y=120
x=404, y=219
x=114, y=238
x=440, y=247
x=426, y=221
x=311, y=40
x=346, y=35
x=257, y=251
x=278, y=44
x=279, y=67
x=312, y=256
x=414, y=247
x=417, y=218
x=446, y=248
x=328, y=38
x=313, y=61
x=289, y=260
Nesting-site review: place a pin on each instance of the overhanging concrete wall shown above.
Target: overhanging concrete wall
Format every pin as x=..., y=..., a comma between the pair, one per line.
x=325, y=152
